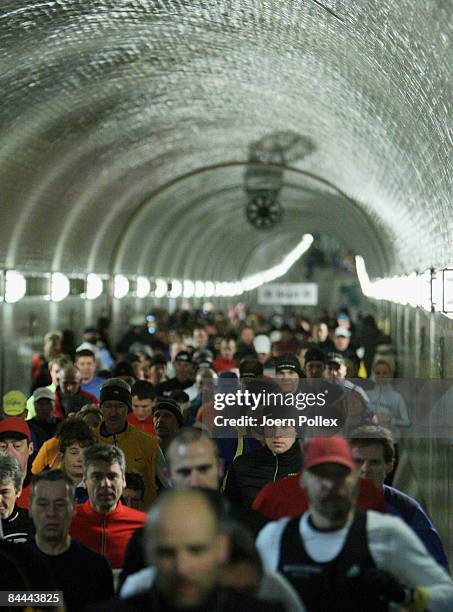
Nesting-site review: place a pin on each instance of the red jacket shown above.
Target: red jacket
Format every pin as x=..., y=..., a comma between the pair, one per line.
x=58, y=411
x=107, y=534
x=286, y=498
x=22, y=501
x=222, y=365
x=147, y=425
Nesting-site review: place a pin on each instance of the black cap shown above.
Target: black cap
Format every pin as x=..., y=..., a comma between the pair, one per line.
x=288, y=361
x=315, y=354
x=184, y=356
x=123, y=368
x=207, y=365
x=250, y=368
x=179, y=396
x=157, y=360
x=335, y=358
x=172, y=406
x=116, y=389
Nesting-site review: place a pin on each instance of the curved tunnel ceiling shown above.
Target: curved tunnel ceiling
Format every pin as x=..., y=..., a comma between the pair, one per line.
x=203, y=215
x=105, y=105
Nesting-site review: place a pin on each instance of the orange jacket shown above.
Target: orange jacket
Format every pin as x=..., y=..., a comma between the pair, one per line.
x=48, y=456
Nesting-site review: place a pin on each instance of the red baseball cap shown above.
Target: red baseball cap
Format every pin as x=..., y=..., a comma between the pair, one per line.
x=15, y=425
x=328, y=450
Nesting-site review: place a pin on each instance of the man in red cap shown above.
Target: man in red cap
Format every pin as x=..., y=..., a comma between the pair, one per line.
x=15, y=440
x=340, y=558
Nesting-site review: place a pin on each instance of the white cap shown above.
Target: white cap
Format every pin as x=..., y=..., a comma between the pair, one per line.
x=276, y=335
x=343, y=331
x=43, y=393
x=262, y=344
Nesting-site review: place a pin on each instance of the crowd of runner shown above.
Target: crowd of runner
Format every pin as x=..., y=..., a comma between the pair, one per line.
x=124, y=486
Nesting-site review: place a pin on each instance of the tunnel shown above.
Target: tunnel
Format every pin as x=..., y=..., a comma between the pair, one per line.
x=185, y=141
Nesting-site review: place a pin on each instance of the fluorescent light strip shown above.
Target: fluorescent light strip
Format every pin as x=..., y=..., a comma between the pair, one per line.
x=143, y=287
x=120, y=286
x=423, y=290
x=207, y=289
x=59, y=287
x=15, y=284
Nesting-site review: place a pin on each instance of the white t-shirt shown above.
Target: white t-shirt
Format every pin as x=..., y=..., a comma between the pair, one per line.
x=393, y=546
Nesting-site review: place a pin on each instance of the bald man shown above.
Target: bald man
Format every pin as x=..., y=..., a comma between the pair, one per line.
x=185, y=547
x=184, y=544
x=69, y=396
x=193, y=461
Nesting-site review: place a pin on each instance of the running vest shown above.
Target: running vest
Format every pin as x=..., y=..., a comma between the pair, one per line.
x=333, y=586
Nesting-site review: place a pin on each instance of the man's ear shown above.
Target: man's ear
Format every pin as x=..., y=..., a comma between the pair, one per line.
x=224, y=548
x=30, y=448
x=221, y=469
x=389, y=467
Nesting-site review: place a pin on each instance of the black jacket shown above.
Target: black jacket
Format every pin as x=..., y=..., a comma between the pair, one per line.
x=249, y=473
x=84, y=576
x=18, y=527
x=134, y=558
x=222, y=600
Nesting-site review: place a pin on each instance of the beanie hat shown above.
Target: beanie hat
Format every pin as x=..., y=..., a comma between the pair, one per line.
x=171, y=406
x=288, y=361
x=315, y=354
x=250, y=368
x=116, y=389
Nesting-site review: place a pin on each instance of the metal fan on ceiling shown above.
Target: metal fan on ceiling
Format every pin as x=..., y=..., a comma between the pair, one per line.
x=263, y=178
x=264, y=210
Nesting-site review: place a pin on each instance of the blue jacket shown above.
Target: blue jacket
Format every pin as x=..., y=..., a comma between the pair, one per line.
x=407, y=508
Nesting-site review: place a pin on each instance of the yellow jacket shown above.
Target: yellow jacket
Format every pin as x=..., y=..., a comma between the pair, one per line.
x=48, y=456
x=141, y=455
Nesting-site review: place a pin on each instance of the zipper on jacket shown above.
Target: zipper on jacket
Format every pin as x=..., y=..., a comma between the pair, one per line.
x=104, y=537
x=276, y=467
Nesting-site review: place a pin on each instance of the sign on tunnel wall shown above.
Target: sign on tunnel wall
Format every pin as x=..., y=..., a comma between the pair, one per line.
x=289, y=294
